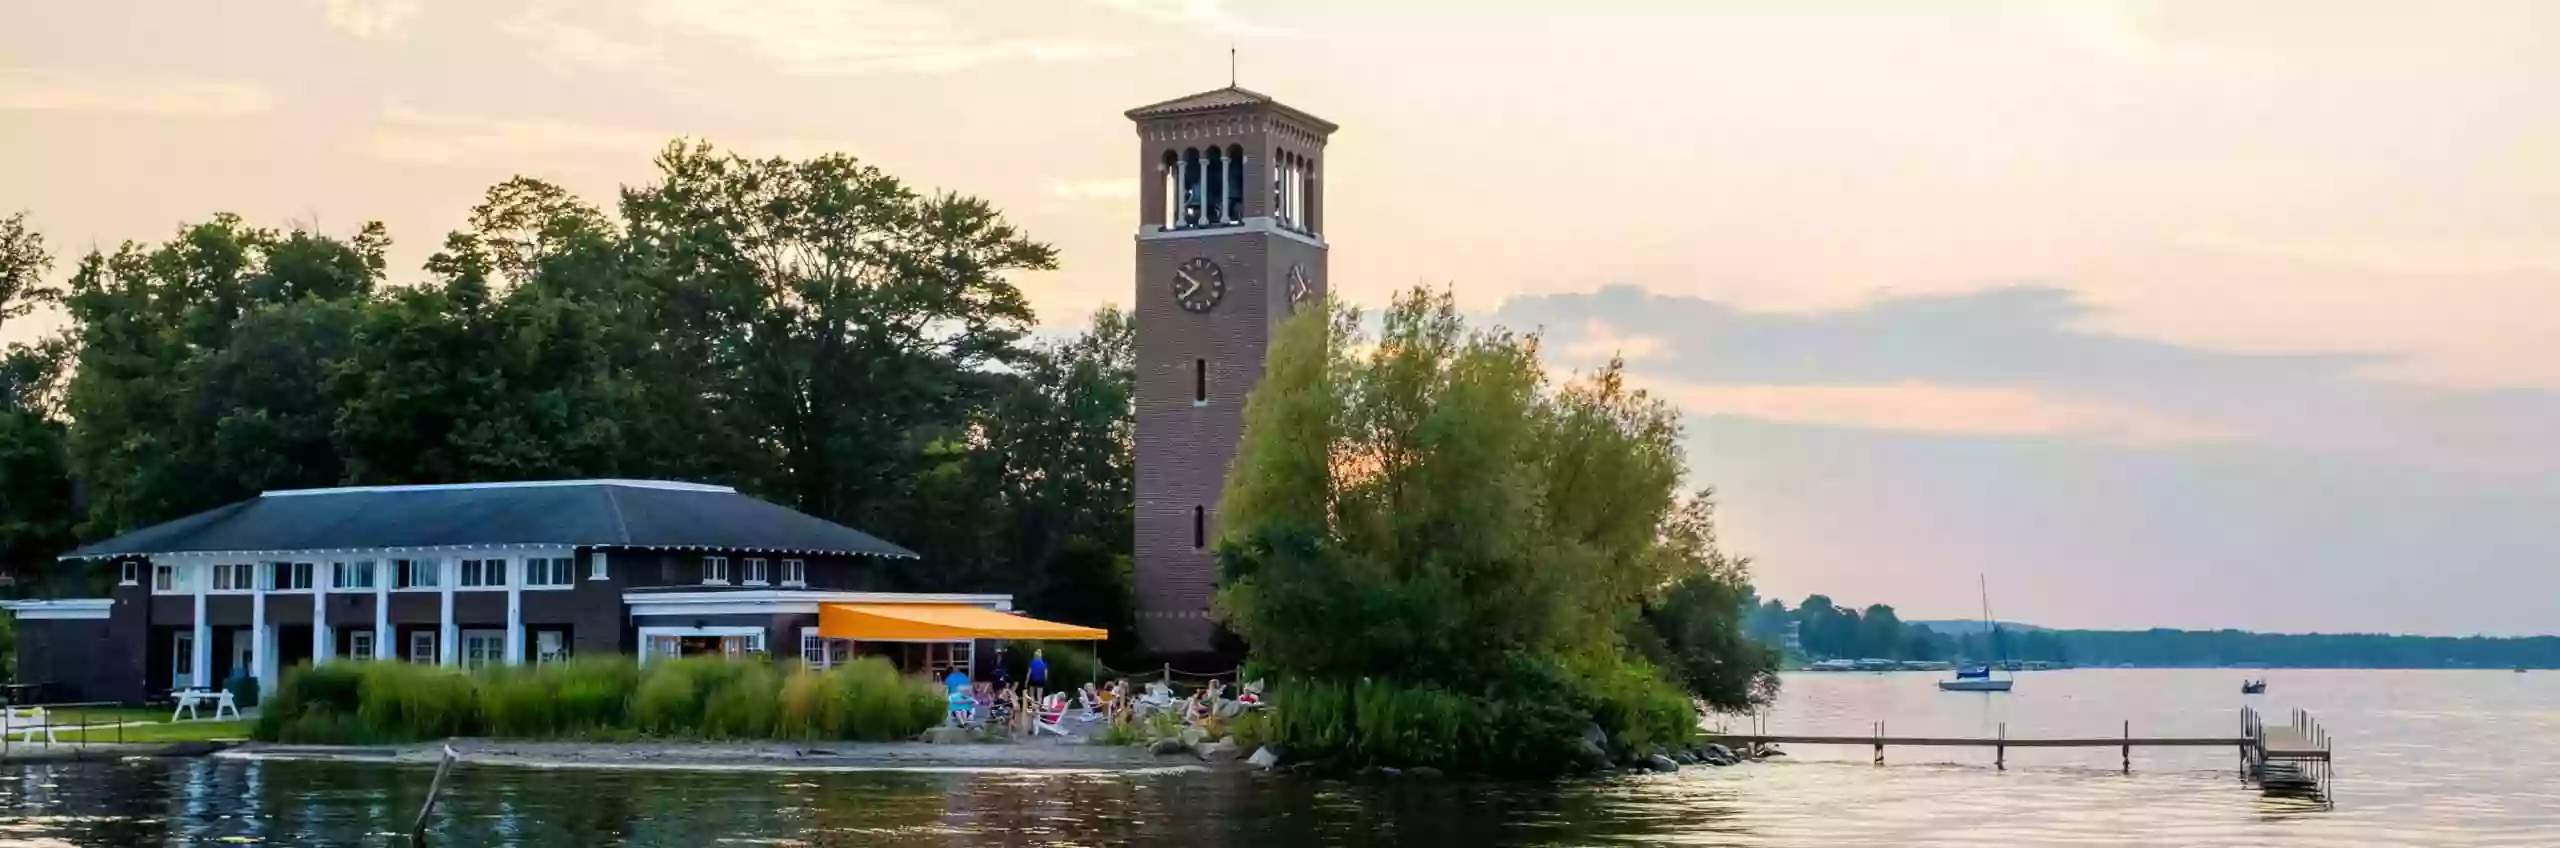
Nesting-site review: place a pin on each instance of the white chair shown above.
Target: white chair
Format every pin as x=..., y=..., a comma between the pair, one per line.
x=1089, y=702
x=1051, y=717
x=26, y=722
x=1158, y=697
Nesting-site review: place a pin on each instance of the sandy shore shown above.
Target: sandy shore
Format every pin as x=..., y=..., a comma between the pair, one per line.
x=1044, y=755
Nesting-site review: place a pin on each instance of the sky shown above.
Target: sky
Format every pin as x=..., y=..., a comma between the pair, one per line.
x=2187, y=314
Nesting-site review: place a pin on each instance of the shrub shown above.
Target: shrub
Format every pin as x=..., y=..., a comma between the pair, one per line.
x=668, y=701
x=744, y=703
x=605, y=697
x=887, y=705
x=417, y=702
x=815, y=706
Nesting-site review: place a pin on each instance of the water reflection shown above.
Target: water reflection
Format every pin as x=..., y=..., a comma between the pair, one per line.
x=2431, y=760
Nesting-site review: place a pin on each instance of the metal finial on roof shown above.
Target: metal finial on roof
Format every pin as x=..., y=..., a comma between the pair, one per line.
x=1231, y=66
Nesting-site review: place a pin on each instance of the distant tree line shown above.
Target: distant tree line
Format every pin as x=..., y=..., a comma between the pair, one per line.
x=814, y=332
x=1826, y=630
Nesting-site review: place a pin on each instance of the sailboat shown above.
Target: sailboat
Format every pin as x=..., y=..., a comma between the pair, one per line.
x=1978, y=678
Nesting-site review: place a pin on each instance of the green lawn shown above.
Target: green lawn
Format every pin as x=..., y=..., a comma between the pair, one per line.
x=184, y=731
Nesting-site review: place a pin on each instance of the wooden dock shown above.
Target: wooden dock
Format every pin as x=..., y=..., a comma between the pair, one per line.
x=2289, y=759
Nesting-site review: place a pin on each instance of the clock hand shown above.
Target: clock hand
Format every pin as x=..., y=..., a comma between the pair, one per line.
x=1192, y=285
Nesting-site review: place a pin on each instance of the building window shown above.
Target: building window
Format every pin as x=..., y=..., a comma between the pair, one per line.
x=753, y=572
x=595, y=566
x=422, y=647
x=795, y=572
x=351, y=575
x=413, y=574
x=1199, y=381
x=1199, y=527
x=130, y=574
x=360, y=643
x=715, y=569
x=554, y=571
x=234, y=577
x=164, y=578
x=288, y=576
x=484, y=572
x=483, y=648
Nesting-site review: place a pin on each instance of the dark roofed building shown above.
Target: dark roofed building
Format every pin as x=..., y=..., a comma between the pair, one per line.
x=465, y=575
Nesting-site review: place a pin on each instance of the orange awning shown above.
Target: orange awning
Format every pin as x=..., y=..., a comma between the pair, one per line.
x=940, y=622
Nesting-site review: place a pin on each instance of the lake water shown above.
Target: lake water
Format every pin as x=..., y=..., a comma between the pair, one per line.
x=2425, y=758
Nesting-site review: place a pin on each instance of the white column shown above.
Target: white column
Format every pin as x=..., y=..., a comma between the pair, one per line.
x=321, y=645
x=382, y=647
x=196, y=574
x=515, y=610
x=258, y=641
x=448, y=635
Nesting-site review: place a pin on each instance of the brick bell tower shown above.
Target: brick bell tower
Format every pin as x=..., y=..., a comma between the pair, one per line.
x=1230, y=241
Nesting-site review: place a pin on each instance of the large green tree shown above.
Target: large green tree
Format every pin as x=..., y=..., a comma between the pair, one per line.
x=1425, y=507
x=813, y=331
x=36, y=514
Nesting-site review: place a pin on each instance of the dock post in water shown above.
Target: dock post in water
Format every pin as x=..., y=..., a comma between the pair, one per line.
x=2128, y=746
x=418, y=831
x=2000, y=754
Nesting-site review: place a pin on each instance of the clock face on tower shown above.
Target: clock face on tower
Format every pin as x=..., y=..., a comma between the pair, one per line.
x=1301, y=286
x=1198, y=284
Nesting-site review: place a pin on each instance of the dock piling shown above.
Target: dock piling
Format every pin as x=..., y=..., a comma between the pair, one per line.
x=2000, y=752
x=2128, y=746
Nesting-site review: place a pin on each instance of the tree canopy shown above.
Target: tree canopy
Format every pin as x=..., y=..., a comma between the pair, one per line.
x=812, y=331
x=1426, y=507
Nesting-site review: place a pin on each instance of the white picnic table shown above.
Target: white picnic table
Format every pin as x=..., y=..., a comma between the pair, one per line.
x=27, y=722
x=188, y=699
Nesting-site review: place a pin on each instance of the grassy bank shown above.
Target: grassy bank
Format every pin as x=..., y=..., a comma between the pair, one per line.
x=1528, y=721
x=598, y=698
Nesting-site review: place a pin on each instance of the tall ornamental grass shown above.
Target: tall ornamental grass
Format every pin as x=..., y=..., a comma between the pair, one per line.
x=366, y=702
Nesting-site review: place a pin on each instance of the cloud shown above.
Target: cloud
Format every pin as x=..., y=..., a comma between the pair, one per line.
x=36, y=90
x=1210, y=15
x=2033, y=362
x=555, y=39
x=861, y=36
x=1940, y=410
x=1599, y=342
x=1091, y=189
x=414, y=137
x=370, y=19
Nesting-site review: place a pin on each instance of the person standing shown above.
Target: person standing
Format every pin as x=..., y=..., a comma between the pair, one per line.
x=1038, y=680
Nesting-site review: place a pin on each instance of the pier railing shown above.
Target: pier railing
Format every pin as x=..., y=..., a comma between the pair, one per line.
x=2290, y=759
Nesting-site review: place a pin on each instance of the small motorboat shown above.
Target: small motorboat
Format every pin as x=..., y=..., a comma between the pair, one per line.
x=2253, y=687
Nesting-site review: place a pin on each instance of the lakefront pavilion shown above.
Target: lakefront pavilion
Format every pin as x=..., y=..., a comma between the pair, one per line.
x=482, y=574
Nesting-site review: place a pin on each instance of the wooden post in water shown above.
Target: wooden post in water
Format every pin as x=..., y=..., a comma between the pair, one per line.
x=2000, y=754
x=418, y=831
x=1879, y=743
x=2128, y=746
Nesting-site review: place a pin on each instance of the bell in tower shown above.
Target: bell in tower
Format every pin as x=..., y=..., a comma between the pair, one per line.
x=1230, y=240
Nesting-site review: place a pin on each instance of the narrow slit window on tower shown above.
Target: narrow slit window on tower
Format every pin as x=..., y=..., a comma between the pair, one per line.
x=1199, y=527
x=1199, y=381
